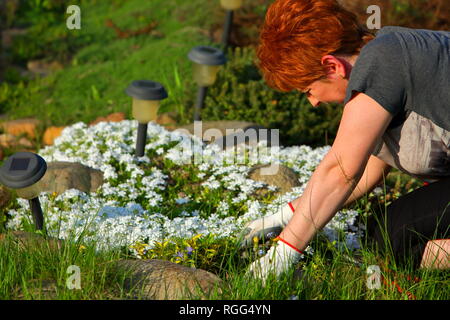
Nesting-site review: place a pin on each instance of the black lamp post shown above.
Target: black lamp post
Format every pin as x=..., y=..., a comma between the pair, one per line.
x=207, y=61
x=230, y=6
x=23, y=171
x=146, y=96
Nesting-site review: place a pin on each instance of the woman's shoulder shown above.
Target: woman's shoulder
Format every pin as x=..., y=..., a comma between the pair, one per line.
x=408, y=38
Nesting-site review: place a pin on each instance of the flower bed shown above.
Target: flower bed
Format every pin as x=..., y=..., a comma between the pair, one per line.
x=164, y=194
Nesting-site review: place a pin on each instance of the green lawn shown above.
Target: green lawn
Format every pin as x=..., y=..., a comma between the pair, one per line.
x=99, y=65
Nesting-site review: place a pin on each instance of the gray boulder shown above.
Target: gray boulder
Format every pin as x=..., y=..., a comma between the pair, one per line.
x=165, y=280
x=276, y=175
x=61, y=176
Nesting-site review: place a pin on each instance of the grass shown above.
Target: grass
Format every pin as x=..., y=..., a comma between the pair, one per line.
x=29, y=275
x=36, y=269
x=99, y=66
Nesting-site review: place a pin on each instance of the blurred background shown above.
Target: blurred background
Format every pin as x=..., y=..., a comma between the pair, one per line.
x=58, y=76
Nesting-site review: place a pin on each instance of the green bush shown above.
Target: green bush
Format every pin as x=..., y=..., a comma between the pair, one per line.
x=240, y=93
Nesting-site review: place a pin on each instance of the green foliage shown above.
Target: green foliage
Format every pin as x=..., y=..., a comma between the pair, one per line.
x=56, y=43
x=200, y=251
x=40, y=11
x=240, y=93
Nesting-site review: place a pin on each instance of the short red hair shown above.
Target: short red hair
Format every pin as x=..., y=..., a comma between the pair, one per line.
x=296, y=34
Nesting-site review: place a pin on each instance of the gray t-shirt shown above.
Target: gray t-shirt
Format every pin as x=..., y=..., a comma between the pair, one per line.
x=407, y=71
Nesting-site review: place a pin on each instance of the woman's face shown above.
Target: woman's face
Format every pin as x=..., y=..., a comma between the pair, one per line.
x=327, y=91
x=333, y=88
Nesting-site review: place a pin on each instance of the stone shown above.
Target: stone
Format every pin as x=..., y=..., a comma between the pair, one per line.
x=281, y=176
x=38, y=289
x=216, y=132
x=167, y=120
x=50, y=134
x=113, y=117
x=18, y=127
x=9, y=34
x=43, y=67
x=24, y=142
x=5, y=197
x=9, y=141
x=61, y=176
x=29, y=240
x=165, y=280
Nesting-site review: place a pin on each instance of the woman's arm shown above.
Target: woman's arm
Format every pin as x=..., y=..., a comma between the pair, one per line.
x=376, y=170
x=333, y=181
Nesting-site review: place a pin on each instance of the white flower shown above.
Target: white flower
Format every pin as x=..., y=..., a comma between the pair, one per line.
x=128, y=206
x=182, y=200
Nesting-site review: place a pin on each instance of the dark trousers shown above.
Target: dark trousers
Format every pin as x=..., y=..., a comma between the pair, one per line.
x=411, y=221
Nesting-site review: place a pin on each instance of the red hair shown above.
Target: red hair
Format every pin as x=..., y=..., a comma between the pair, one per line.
x=296, y=34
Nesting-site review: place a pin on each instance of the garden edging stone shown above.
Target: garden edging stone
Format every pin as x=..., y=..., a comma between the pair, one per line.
x=164, y=280
x=61, y=176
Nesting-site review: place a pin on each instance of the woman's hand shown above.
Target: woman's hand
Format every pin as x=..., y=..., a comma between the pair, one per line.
x=266, y=228
x=275, y=262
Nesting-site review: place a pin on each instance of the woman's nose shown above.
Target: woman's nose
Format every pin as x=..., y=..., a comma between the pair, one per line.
x=314, y=102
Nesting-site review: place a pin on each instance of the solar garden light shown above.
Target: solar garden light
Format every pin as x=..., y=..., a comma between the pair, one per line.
x=207, y=61
x=230, y=6
x=23, y=171
x=147, y=96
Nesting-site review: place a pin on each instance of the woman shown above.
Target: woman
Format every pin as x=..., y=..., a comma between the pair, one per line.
x=395, y=88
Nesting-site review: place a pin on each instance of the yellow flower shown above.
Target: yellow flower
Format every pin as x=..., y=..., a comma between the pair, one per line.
x=197, y=236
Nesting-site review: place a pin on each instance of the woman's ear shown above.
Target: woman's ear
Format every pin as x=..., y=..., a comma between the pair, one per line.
x=336, y=67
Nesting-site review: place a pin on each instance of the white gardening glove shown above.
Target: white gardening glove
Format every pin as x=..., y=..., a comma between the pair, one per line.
x=266, y=228
x=276, y=261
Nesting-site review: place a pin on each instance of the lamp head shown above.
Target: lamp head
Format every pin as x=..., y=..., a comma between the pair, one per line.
x=22, y=171
x=146, y=96
x=231, y=4
x=207, y=61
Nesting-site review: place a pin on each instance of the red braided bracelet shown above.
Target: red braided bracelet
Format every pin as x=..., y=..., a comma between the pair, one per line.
x=290, y=245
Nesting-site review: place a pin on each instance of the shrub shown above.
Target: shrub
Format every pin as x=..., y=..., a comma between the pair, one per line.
x=240, y=93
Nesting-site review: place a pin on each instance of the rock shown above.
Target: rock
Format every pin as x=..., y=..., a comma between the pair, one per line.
x=21, y=126
x=50, y=134
x=42, y=67
x=5, y=197
x=29, y=240
x=227, y=134
x=9, y=34
x=9, y=141
x=167, y=120
x=24, y=142
x=61, y=176
x=38, y=289
x=276, y=175
x=165, y=280
x=113, y=117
